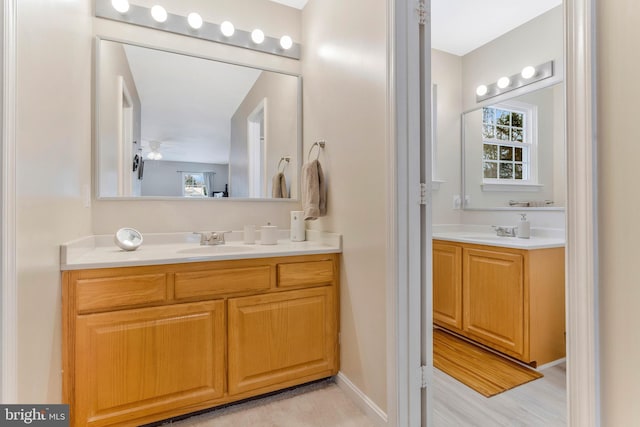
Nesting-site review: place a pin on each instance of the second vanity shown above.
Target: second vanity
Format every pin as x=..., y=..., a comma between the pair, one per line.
x=503, y=292
x=176, y=327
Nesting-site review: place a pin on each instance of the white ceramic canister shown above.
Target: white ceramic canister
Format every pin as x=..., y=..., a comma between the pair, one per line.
x=268, y=235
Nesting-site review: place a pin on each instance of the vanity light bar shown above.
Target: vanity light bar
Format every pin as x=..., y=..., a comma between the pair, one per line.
x=516, y=81
x=141, y=16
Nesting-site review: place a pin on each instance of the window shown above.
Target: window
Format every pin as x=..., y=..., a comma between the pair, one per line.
x=508, y=145
x=193, y=184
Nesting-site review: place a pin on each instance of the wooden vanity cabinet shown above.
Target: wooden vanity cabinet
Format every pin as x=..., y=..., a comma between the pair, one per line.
x=142, y=344
x=511, y=300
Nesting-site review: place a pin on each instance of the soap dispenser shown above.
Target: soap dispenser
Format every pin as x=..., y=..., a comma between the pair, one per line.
x=524, y=228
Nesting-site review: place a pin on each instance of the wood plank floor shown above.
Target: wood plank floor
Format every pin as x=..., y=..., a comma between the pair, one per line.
x=540, y=403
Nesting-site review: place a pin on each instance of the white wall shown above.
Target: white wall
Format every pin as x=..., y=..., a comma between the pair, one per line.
x=345, y=77
x=619, y=209
x=114, y=65
x=281, y=131
x=533, y=43
x=446, y=73
x=53, y=164
x=164, y=178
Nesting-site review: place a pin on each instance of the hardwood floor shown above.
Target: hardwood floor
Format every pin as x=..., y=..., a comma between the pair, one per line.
x=540, y=403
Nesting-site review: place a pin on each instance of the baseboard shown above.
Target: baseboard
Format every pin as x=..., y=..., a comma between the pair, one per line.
x=373, y=411
x=551, y=364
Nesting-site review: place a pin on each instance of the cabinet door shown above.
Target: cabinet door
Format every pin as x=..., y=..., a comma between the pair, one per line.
x=139, y=362
x=447, y=285
x=493, y=298
x=285, y=338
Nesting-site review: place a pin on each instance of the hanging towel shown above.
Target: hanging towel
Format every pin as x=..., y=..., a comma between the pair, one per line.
x=279, y=186
x=314, y=191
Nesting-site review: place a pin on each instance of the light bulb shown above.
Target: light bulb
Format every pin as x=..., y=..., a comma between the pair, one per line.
x=227, y=29
x=528, y=72
x=121, y=6
x=194, y=20
x=257, y=36
x=503, y=82
x=158, y=156
x=481, y=90
x=158, y=13
x=151, y=155
x=286, y=42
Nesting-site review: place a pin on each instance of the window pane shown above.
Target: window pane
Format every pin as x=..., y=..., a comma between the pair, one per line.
x=506, y=171
x=518, y=154
x=488, y=116
x=516, y=135
x=490, y=152
x=502, y=133
x=488, y=131
x=517, y=119
x=518, y=171
x=506, y=153
x=490, y=170
x=503, y=117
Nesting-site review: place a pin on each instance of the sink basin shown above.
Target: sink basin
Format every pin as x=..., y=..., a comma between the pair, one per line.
x=215, y=249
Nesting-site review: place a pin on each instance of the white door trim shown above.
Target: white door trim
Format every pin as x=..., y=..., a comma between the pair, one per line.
x=404, y=289
x=9, y=350
x=583, y=403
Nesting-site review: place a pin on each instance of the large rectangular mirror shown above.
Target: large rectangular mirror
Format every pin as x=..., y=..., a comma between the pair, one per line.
x=514, y=152
x=176, y=125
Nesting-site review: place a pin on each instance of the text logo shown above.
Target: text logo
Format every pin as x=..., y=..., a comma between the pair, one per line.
x=34, y=415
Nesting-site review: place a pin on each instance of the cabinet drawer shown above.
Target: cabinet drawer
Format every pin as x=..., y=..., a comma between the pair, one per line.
x=122, y=291
x=211, y=283
x=305, y=273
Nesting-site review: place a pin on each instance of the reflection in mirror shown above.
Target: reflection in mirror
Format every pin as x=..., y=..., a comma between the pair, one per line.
x=175, y=125
x=514, y=152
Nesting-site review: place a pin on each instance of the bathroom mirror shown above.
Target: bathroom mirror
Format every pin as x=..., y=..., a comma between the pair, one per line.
x=514, y=152
x=175, y=125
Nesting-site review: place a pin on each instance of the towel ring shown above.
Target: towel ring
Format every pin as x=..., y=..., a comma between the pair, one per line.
x=283, y=159
x=320, y=144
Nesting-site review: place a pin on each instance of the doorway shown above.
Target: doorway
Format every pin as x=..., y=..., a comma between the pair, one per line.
x=581, y=253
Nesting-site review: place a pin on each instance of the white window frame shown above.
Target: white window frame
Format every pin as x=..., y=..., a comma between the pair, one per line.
x=530, y=129
x=183, y=176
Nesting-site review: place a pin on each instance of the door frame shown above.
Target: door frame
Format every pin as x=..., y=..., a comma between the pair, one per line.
x=9, y=334
x=583, y=385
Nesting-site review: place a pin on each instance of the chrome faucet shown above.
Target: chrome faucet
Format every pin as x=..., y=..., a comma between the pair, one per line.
x=504, y=231
x=212, y=237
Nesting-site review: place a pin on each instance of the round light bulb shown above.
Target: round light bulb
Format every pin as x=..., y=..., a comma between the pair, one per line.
x=194, y=20
x=286, y=42
x=158, y=156
x=503, y=82
x=528, y=72
x=158, y=13
x=151, y=155
x=227, y=29
x=121, y=6
x=482, y=90
x=257, y=36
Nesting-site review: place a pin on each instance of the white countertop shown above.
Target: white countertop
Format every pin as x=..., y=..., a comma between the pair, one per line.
x=171, y=248
x=541, y=238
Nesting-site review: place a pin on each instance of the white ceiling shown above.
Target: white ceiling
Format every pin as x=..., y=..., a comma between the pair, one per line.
x=460, y=26
x=189, y=113
x=298, y=4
